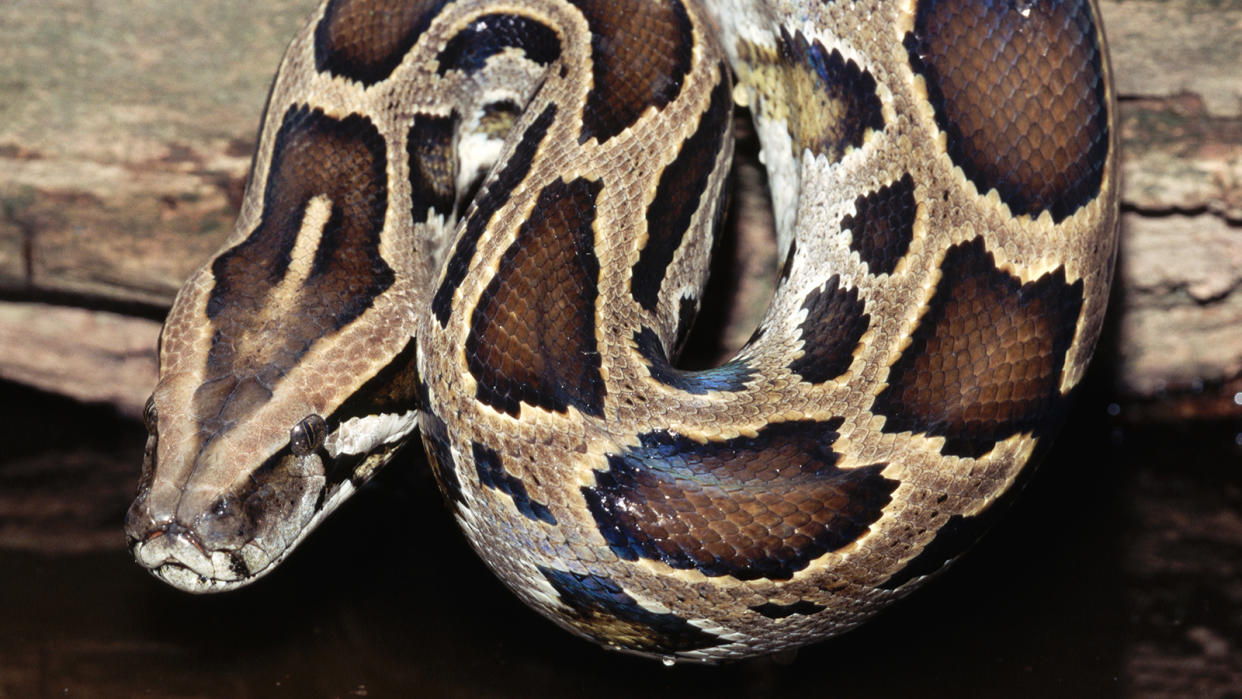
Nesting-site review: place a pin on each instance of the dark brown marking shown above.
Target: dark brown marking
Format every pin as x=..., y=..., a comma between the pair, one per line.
x=841, y=98
x=365, y=40
x=640, y=54
x=687, y=310
x=495, y=194
x=1018, y=88
x=440, y=455
x=314, y=155
x=883, y=224
x=834, y=323
x=433, y=165
x=492, y=474
x=532, y=337
x=603, y=611
x=682, y=187
x=488, y=35
x=985, y=361
x=750, y=507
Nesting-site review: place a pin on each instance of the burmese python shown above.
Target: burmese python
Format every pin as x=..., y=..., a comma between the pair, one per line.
x=944, y=179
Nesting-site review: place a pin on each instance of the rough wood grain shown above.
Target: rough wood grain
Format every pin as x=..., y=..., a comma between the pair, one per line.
x=126, y=130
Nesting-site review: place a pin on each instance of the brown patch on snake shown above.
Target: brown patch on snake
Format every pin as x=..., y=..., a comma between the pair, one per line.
x=683, y=185
x=985, y=361
x=835, y=321
x=310, y=267
x=495, y=193
x=882, y=225
x=490, y=468
x=365, y=40
x=433, y=165
x=1018, y=87
x=532, y=337
x=749, y=507
x=491, y=34
x=640, y=55
x=838, y=99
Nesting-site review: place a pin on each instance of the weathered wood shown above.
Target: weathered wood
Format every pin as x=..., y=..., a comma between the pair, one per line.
x=126, y=131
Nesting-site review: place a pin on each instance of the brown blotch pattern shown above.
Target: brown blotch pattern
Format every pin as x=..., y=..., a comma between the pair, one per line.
x=264, y=322
x=489, y=35
x=749, y=507
x=883, y=224
x=532, y=337
x=1018, y=88
x=640, y=55
x=834, y=323
x=494, y=195
x=433, y=165
x=679, y=193
x=985, y=361
x=839, y=96
x=365, y=40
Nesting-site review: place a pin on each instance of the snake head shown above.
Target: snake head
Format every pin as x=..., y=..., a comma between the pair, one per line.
x=217, y=509
x=262, y=423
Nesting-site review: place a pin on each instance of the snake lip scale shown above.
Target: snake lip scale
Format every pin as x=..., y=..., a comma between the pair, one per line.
x=489, y=224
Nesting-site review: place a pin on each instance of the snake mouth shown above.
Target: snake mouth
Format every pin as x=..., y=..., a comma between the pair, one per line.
x=175, y=554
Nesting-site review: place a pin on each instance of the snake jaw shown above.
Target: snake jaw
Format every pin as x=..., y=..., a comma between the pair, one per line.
x=200, y=536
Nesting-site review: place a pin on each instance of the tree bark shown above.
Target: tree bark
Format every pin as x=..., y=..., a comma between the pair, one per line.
x=126, y=131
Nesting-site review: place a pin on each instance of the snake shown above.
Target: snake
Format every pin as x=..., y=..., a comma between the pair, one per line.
x=489, y=223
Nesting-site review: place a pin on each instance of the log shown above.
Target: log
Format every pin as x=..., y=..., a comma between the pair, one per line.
x=127, y=132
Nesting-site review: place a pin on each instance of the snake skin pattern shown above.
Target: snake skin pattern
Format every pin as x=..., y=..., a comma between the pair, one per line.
x=489, y=223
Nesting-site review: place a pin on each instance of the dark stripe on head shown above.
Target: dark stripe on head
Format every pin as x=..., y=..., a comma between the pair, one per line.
x=495, y=195
x=749, y=507
x=488, y=35
x=433, y=165
x=985, y=361
x=492, y=474
x=730, y=377
x=603, y=611
x=640, y=54
x=532, y=337
x=682, y=187
x=773, y=610
x=314, y=156
x=1018, y=88
x=834, y=323
x=365, y=40
x=882, y=225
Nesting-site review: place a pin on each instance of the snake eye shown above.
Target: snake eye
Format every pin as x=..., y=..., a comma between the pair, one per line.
x=307, y=436
x=149, y=416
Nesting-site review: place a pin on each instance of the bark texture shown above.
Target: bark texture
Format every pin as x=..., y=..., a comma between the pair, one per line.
x=126, y=131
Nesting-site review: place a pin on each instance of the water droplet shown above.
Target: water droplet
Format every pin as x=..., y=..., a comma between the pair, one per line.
x=1114, y=410
x=1237, y=398
x=668, y=661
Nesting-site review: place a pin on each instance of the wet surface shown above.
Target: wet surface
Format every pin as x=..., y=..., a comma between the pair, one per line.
x=1118, y=573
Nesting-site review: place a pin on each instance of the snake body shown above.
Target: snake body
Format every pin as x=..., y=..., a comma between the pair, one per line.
x=489, y=223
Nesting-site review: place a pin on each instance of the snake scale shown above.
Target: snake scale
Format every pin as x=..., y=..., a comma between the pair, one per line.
x=489, y=223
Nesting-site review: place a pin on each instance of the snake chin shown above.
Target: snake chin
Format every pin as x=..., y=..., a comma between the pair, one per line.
x=204, y=542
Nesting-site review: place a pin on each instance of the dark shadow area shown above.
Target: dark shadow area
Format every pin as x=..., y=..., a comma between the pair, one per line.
x=388, y=599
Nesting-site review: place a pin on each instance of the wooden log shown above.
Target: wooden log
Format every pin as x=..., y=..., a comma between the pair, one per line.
x=126, y=131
